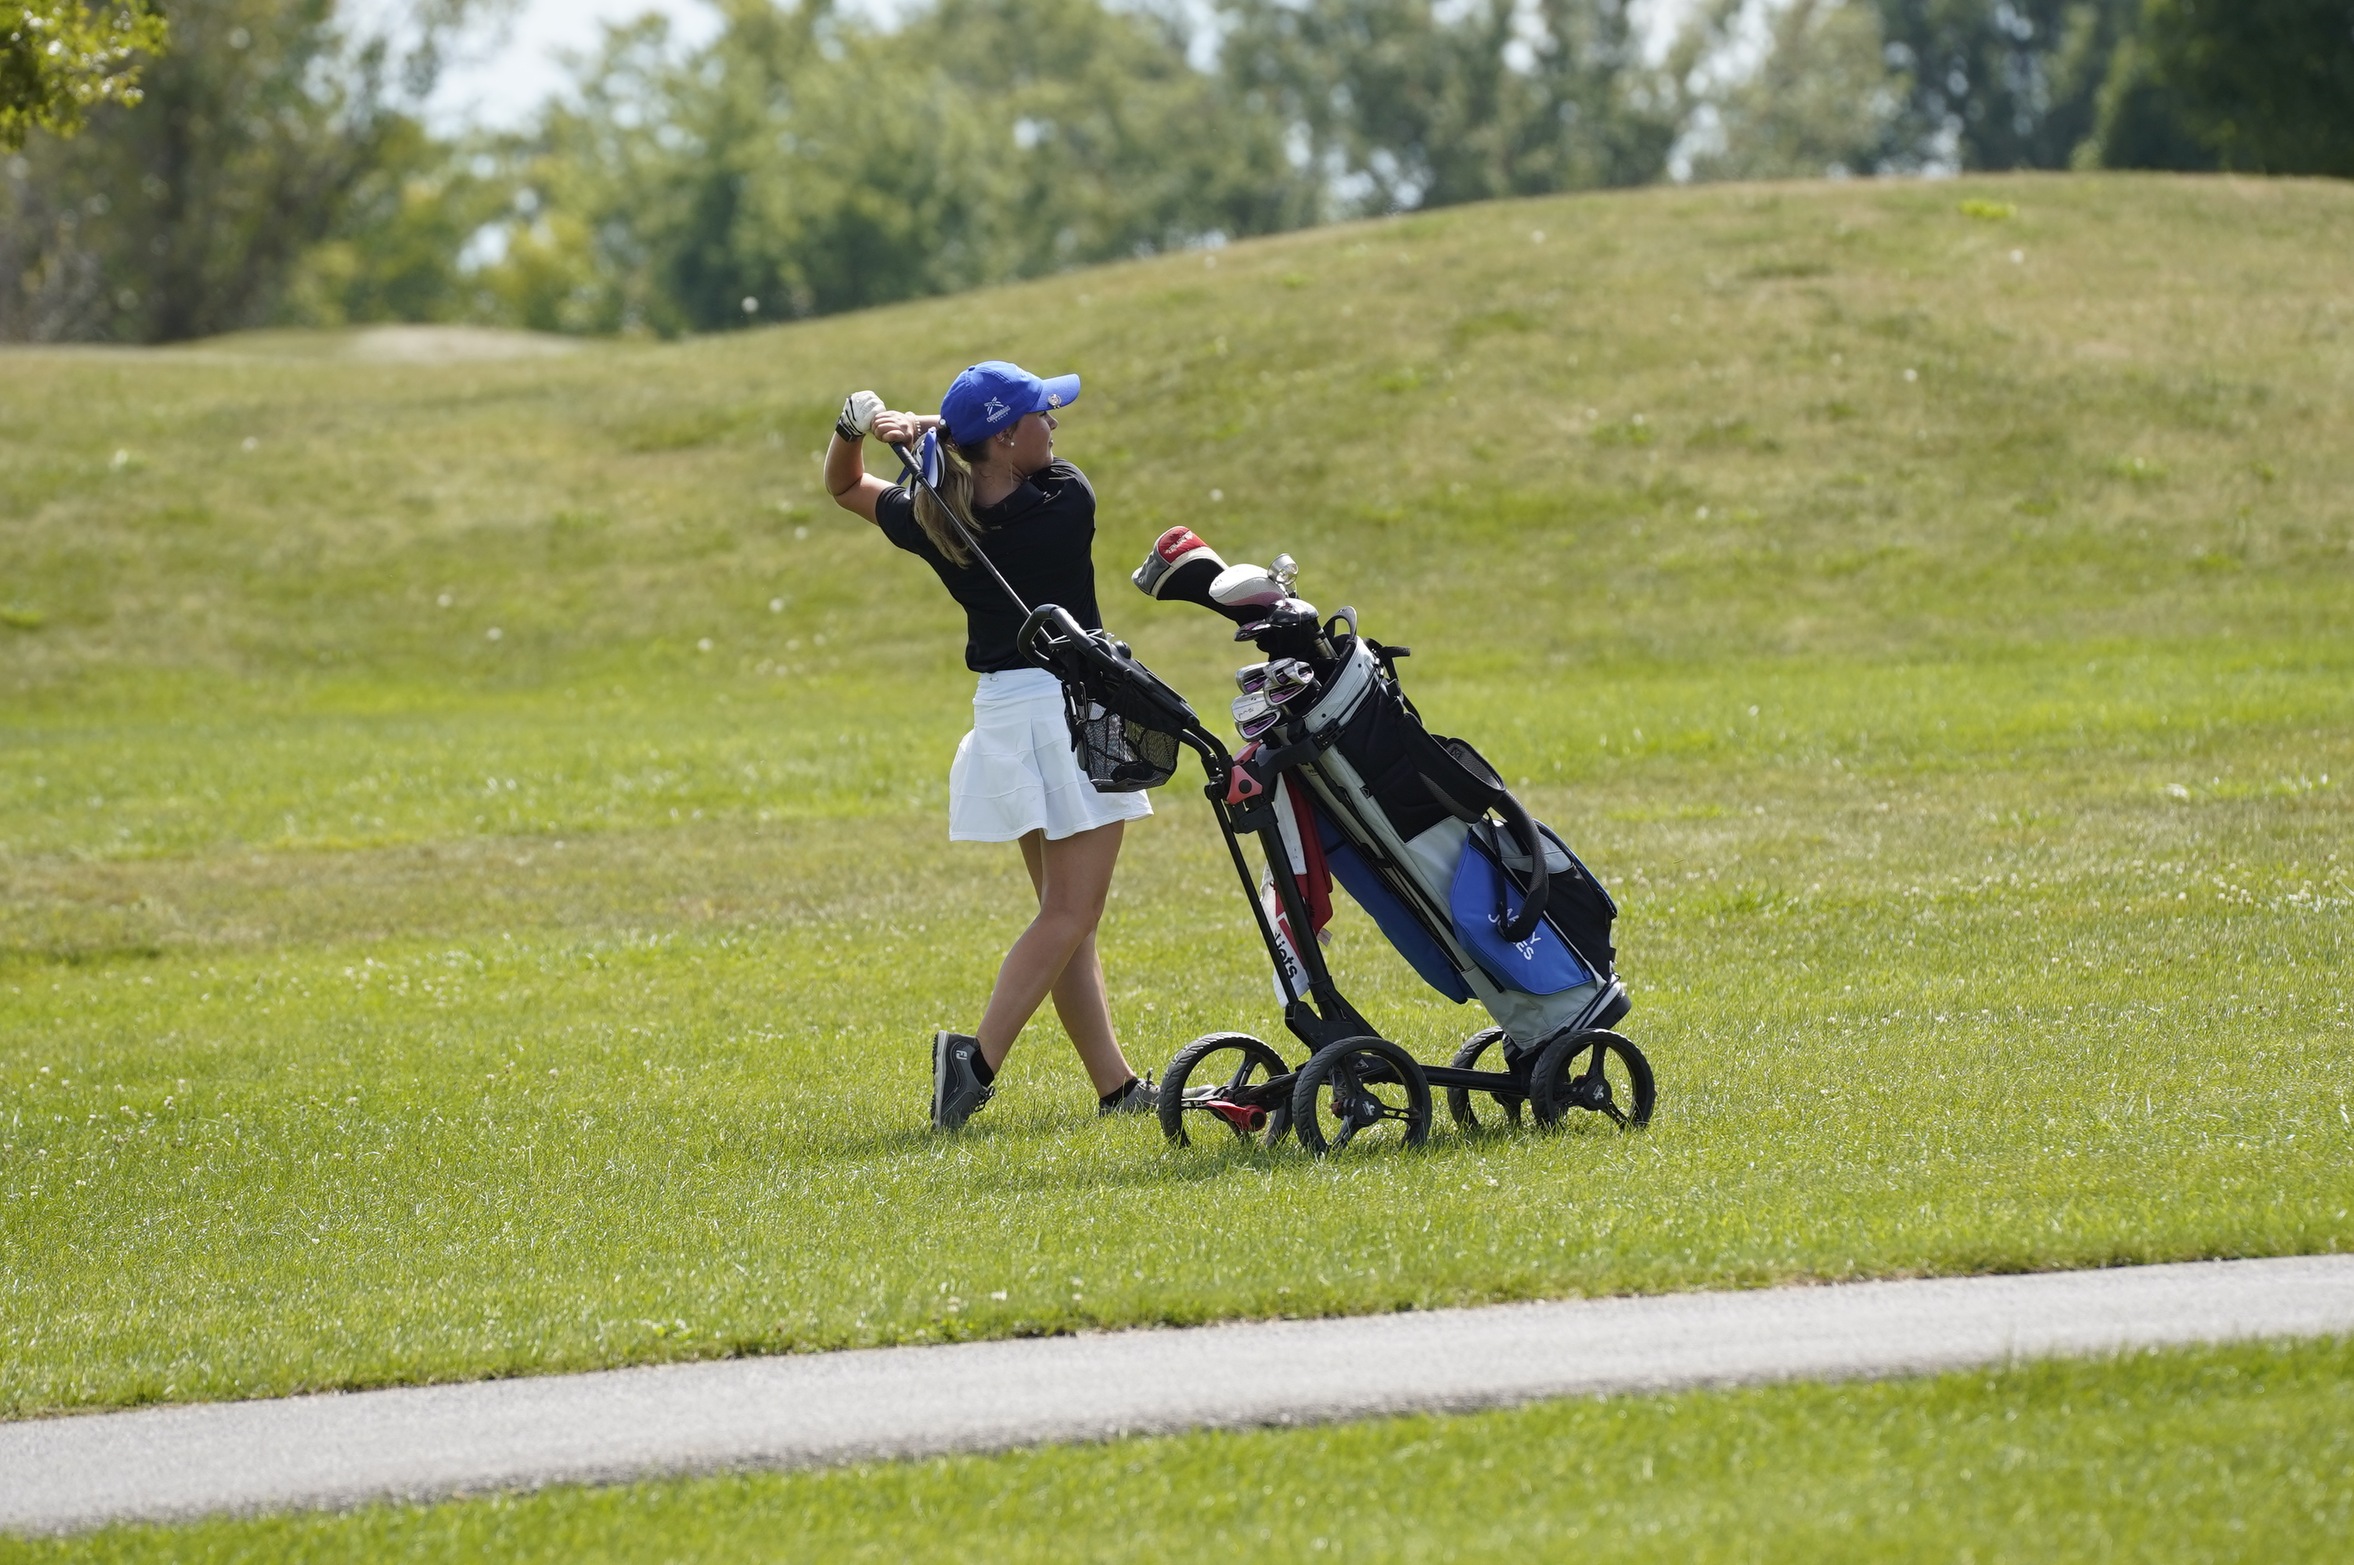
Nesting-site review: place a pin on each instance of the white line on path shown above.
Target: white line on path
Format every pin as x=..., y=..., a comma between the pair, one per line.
x=63, y=1474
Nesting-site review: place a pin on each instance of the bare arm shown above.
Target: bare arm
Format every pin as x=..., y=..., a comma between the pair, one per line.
x=847, y=480
x=852, y=486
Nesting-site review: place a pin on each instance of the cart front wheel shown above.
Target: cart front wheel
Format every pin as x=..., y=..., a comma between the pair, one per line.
x=1360, y=1091
x=1597, y=1073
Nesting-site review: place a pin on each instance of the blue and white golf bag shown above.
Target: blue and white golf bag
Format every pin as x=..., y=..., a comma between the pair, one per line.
x=1402, y=822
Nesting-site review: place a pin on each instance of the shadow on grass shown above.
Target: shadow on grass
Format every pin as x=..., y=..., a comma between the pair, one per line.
x=1208, y=1162
x=15, y=958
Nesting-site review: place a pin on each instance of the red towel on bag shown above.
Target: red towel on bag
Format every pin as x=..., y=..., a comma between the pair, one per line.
x=1295, y=820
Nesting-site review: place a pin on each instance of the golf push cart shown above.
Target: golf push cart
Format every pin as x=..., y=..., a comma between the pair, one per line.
x=1338, y=779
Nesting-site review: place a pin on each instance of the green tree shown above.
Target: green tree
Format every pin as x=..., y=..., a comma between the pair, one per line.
x=397, y=248
x=189, y=217
x=2266, y=85
x=1820, y=99
x=1415, y=103
x=808, y=161
x=1999, y=84
x=2142, y=120
x=60, y=58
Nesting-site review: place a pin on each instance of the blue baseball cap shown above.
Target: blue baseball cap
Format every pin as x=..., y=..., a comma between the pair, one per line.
x=993, y=394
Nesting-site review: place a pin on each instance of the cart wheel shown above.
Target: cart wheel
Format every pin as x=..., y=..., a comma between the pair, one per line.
x=1597, y=1071
x=1459, y=1099
x=1216, y=1069
x=1360, y=1088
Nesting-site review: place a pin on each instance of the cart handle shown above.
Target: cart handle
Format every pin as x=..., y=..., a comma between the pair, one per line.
x=1532, y=907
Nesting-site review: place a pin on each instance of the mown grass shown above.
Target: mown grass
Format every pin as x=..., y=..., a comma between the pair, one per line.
x=2240, y=1453
x=381, y=1001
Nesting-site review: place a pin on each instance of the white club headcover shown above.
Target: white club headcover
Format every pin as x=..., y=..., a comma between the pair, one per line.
x=1247, y=586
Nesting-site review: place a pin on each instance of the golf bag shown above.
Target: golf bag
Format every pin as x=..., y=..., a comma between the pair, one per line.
x=1423, y=835
x=1482, y=901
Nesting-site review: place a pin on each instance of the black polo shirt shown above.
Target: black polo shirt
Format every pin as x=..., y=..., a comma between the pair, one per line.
x=1041, y=536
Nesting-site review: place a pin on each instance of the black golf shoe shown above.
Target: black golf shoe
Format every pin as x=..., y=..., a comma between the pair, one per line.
x=1138, y=1097
x=957, y=1090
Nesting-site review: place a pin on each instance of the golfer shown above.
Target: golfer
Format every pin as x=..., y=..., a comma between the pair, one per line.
x=1015, y=778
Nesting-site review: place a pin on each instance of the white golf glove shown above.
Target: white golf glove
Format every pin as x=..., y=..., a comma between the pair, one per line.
x=859, y=410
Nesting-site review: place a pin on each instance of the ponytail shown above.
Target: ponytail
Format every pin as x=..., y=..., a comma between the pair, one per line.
x=955, y=487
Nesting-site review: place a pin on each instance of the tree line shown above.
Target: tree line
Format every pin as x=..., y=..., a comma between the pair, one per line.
x=173, y=170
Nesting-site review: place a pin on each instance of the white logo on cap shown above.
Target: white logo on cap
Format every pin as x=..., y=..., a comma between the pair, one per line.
x=993, y=410
x=1054, y=399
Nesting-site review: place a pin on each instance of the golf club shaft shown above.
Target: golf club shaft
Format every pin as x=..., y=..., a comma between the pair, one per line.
x=915, y=470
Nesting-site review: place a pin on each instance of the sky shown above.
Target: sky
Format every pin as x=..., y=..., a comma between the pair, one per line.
x=501, y=85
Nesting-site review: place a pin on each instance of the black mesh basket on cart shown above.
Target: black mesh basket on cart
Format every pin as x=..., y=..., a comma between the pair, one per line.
x=1119, y=754
x=1124, y=721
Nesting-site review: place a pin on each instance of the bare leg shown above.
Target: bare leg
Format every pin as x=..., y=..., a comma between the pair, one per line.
x=1056, y=955
x=1080, y=998
x=1086, y=1013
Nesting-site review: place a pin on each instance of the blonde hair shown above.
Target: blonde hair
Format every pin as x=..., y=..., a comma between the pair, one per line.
x=956, y=487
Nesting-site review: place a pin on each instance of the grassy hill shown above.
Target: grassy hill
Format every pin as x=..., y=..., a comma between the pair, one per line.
x=1602, y=445
x=472, y=895
x=1851, y=421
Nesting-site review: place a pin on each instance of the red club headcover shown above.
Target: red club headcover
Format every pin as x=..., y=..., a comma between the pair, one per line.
x=1180, y=570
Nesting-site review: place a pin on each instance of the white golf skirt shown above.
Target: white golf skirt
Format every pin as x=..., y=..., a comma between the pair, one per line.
x=1016, y=773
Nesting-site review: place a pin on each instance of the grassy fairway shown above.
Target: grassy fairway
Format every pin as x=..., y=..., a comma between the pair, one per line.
x=2233, y=1454
x=1935, y=627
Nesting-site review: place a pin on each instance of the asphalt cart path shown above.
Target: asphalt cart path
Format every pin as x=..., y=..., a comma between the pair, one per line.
x=66, y=1474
